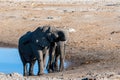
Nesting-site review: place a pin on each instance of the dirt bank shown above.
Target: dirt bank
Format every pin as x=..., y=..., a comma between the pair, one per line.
x=93, y=48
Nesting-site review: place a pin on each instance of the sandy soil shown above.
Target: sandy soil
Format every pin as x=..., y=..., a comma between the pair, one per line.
x=94, y=42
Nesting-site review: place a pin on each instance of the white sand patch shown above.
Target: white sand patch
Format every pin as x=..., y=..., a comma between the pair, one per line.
x=71, y=30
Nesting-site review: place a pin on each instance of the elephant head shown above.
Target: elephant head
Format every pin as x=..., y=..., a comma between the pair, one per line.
x=58, y=38
x=62, y=35
x=40, y=36
x=58, y=35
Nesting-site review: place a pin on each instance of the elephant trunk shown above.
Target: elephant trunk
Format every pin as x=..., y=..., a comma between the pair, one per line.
x=62, y=55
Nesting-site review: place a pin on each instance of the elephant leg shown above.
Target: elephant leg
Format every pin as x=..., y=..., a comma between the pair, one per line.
x=25, y=73
x=56, y=65
x=61, y=52
x=31, y=68
x=40, y=63
x=51, y=58
x=45, y=54
x=57, y=54
x=39, y=56
x=62, y=55
x=49, y=65
x=61, y=63
x=24, y=64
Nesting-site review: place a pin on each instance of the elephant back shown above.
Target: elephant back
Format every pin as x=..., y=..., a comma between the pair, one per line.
x=25, y=38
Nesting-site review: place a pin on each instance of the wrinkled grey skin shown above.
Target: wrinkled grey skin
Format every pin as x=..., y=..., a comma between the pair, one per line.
x=57, y=51
x=34, y=46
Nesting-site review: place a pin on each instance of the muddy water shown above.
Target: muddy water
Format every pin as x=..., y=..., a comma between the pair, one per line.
x=10, y=61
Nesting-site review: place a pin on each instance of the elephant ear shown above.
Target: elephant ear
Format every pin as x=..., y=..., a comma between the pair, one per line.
x=52, y=37
x=63, y=34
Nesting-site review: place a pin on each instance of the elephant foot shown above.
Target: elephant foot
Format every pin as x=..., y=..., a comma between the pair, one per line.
x=50, y=71
x=61, y=70
x=25, y=74
x=39, y=74
x=31, y=74
x=57, y=70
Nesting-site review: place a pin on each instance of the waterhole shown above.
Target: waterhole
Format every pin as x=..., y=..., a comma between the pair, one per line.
x=10, y=62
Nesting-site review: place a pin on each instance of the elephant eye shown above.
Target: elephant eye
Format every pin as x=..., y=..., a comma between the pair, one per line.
x=37, y=40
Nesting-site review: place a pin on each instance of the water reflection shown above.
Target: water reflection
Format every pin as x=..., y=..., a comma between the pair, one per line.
x=10, y=61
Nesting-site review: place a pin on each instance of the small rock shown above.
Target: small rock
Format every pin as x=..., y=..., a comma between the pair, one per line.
x=15, y=74
x=88, y=79
x=64, y=10
x=50, y=17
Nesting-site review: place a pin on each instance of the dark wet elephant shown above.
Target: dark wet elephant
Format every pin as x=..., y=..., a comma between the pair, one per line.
x=26, y=53
x=57, y=50
x=34, y=46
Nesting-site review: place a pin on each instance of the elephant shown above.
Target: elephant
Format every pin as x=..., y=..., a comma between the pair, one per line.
x=37, y=44
x=34, y=46
x=57, y=51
